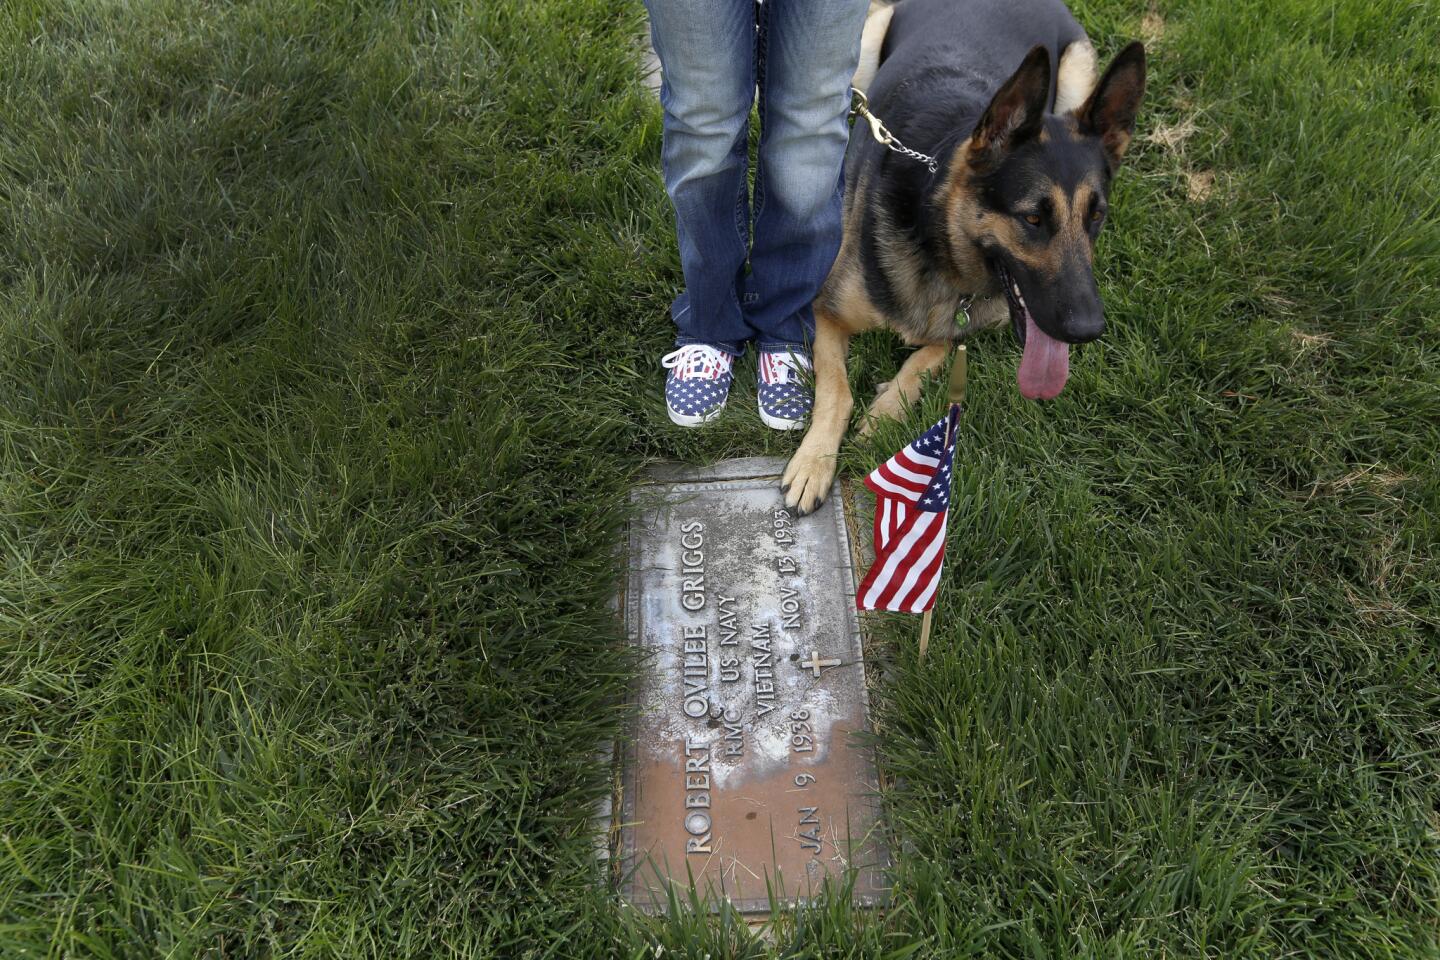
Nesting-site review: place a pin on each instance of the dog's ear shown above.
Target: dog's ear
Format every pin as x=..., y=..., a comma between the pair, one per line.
x=1110, y=112
x=1016, y=112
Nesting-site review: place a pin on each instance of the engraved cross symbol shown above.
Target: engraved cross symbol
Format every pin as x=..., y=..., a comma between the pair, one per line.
x=816, y=664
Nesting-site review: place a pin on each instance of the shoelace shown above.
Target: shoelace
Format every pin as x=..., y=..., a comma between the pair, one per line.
x=697, y=360
x=778, y=368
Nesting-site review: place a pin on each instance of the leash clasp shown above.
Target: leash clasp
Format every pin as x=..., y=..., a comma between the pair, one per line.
x=862, y=108
x=877, y=129
x=883, y=136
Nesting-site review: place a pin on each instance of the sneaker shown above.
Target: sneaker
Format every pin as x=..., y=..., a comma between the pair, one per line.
x=698, y=383
x=783, y=387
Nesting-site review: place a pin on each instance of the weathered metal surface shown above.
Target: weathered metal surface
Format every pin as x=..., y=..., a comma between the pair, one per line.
x=743, y=767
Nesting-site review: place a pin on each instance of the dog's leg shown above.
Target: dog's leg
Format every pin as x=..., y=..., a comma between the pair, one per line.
x=877, y=22
x=899, y=393
x=807, y=478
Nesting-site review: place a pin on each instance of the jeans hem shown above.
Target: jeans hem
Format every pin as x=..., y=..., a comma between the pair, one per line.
x=724, y=346
x=773, y=346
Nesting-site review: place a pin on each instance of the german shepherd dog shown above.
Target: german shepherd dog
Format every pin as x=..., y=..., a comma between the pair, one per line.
x=1007, y=222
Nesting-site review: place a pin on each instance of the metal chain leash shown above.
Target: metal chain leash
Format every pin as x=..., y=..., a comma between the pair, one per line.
x=882, y=134
x=887, y=139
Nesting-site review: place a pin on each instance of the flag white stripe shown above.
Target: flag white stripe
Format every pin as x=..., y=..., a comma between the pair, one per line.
x=919, y=605
x=892, y=519
x=916, y=457
x=925, y=597
x=889, y=487
x=891, y=598
x=918, y=567
x=877, y=588
x=911, y=461
x=906, y=474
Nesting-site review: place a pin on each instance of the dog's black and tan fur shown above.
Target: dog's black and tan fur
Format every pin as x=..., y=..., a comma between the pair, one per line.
x=1010, y=218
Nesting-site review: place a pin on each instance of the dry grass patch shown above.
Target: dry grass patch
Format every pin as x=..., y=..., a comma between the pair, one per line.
x=1152, y=27
x=1199, y=185
x=1306, y=341
x=1172, y=136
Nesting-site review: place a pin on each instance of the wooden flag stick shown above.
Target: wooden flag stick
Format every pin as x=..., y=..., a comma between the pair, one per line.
x=957, y=397
x=957, y=376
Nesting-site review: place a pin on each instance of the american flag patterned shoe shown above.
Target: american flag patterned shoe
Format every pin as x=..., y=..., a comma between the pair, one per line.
x=784, y=388
x=698, y=384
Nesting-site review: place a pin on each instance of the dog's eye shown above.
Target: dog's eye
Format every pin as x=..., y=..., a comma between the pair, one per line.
x=1095, y=215
x=1033, y=219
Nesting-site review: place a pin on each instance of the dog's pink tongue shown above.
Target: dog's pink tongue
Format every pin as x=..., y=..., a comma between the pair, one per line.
x=1045, y=365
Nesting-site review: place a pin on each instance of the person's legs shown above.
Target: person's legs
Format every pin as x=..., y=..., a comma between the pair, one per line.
x=707, y=59
x=808, y=53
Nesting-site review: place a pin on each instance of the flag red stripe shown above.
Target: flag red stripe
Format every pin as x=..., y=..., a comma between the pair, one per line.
x=906, y=474
x=926, y=578
x=912, y=546
x=910, y=468
x=864, y=595
x=899, y=513
x=919, y=462
x=882, y=574
x=921, y=557
x=926, y=598
x=890, y=514
x=883, y=485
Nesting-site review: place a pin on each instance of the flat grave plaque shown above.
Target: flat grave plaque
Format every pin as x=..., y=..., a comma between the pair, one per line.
x=743, y=767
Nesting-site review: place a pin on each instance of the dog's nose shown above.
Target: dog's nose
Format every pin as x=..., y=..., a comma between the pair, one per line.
x=1082, y=326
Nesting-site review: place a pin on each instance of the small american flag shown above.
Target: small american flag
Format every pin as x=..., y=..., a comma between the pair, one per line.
x=912, y=492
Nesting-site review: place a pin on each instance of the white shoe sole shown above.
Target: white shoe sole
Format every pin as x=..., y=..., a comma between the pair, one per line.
x=693, y=419
x=780, y=423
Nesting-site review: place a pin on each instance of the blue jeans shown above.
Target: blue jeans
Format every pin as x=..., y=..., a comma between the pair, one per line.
x=712, y=59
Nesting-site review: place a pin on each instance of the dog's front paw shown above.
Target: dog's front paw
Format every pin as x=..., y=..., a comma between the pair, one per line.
x=806, y=482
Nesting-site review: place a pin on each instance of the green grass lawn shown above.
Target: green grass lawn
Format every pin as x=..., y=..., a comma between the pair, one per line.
x=328, y=342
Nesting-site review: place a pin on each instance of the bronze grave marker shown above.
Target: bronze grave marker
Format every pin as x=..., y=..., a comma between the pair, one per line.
x=743, y=768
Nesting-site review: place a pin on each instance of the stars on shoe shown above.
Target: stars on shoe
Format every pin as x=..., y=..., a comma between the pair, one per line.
x=698, y=382
x=782, y=386
x=696, y=397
